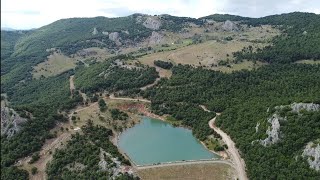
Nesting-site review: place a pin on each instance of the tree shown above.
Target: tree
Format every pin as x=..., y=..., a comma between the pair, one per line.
x=102, y=105
x=34, y=170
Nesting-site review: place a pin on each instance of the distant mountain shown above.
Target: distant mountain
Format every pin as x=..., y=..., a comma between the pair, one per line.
x=7, y=29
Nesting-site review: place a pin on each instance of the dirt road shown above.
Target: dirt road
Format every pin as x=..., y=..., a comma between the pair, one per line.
x=150, y=85
x=232, y=150
x=185, y=163
x=71, y=84
x=129, y=99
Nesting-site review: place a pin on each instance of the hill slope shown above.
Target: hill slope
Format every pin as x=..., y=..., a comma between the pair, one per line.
x=243, y=97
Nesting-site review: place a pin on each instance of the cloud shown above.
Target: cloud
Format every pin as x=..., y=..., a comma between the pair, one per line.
x=22, y=14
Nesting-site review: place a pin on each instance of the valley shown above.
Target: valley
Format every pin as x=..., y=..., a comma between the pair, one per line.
x=160, y=97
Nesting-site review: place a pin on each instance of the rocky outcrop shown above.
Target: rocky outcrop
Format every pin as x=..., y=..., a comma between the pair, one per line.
x=95, y=31
x=103, y=163
x=105, y=33
x=230, y=26
x=114, y=36
x=273, y=132
x=257, y=127
x=152, y=23
x=312, y=153
x=10, y=122
x=155, y=38
x=297, y=107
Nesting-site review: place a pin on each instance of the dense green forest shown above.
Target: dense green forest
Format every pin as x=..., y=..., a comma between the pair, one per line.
x=163, y=64
x=107, y=76
x=243, y=98
x=45, y=97
x=300, y=39
x=225, y=17
x=8, y=41
x=80, y=158
x=42, y=99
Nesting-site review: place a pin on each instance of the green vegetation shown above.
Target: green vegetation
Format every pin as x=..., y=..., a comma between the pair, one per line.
x=163, y=64
x=105, y=76
x=176, y=24
x=243, y=98
x=35, y=157
x=225, y=17
x=43, y=99
x=13, y=173
x=116, y=114
x=214, y=144
x=8, y=41
x=82, y=154
x=102, y=105
x=34, y=170
x=300, y=40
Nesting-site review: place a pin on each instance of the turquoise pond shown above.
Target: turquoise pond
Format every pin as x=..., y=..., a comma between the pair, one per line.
x=154, y=141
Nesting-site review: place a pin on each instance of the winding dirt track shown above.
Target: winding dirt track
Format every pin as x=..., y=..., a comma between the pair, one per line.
x=239, y=163
x=129, y=99
x=233, y=151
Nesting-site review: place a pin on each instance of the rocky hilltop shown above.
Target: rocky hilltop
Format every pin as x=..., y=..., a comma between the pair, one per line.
x=10, y=122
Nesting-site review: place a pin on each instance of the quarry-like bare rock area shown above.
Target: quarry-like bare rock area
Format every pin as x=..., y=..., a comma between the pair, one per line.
x=155, y=38
x=273, y=131
x=297, y=107
x=114, y=36
x=230, y=26
x=95, y=31
x=312, y=153
x=10, y=122
x=152, y=23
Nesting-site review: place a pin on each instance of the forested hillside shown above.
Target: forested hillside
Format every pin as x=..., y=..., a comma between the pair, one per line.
x=243, y=98
x=300, y=40
x=88, y=156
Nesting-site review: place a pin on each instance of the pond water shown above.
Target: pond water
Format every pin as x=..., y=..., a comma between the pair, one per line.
x=155, y=141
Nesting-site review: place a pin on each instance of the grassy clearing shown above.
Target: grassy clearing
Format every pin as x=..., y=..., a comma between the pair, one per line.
x=92, y=112
x=173, y=121
x=308, y=61
x=214, y=48
x=192, y=172
x=56, y=64
x=204, y=54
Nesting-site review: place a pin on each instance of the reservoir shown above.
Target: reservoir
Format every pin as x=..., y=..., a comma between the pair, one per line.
x=155, y=141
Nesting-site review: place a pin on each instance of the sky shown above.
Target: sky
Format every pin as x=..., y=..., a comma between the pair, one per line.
x=27, y=14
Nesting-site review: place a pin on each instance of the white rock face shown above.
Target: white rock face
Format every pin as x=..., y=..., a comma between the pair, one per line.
x=152, y=23
x=273, y=132
x=257, y=127
x=297, y=107
x=114, y=36
x=10, y=122
x=312, y=152
x=229, y=26
x=95, y=31
x=155, y=38
x=105, y=33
